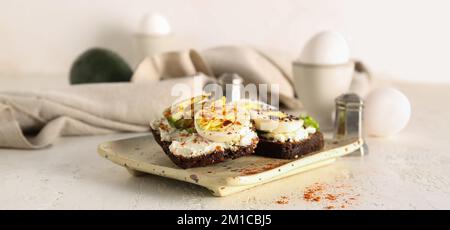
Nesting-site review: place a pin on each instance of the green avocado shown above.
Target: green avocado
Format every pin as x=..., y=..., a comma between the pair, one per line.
x=99, y=65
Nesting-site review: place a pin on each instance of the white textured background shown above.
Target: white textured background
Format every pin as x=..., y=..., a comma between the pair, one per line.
x=402, y=38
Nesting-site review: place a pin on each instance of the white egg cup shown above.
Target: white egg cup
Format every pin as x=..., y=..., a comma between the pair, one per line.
x=317, y=86
x=149, y=45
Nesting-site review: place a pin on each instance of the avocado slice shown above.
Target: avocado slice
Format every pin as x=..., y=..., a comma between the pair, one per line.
x=183, y=118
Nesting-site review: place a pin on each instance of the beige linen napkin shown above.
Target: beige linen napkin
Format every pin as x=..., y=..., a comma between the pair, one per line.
x=253, y=65
x=170, y=65
x=32, y=120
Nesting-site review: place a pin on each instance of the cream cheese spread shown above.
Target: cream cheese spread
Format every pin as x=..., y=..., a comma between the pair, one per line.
x=192, y=144
x=298, y=135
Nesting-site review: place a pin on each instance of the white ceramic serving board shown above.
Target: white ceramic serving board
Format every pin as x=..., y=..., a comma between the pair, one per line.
x=143, y=155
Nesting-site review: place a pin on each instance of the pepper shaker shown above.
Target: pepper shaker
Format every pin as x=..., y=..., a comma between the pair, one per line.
x=348, y=119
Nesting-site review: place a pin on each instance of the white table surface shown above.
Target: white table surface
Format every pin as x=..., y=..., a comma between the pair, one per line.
x=408, y=171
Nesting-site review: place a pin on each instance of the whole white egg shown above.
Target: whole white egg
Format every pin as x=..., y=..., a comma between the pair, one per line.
x=325, y=48
x=155, y=25
x=386, y=112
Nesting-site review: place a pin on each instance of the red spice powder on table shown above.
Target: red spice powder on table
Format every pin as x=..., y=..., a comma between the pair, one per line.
x=283, y=200
x=312, y=193
x=331, y=196
x=259, y=169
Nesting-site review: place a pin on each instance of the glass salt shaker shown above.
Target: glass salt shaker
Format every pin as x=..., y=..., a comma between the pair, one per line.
x=231, y=84
x=348, y=119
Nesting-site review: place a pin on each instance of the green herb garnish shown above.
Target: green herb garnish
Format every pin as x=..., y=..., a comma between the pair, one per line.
x=309, y=121
x=191, y=130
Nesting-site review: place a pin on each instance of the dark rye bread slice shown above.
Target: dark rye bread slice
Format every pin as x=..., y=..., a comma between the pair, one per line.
x=289, y=150
x=203, y=160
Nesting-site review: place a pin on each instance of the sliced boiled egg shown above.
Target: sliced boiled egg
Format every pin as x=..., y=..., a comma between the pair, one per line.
x=268, y=119
x=254, y=105
x=276, y=121
x=187, y=108
x=222, y=123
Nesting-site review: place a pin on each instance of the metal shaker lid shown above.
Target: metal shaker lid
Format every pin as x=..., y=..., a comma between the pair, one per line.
x=349, y=100
x=230, y=78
